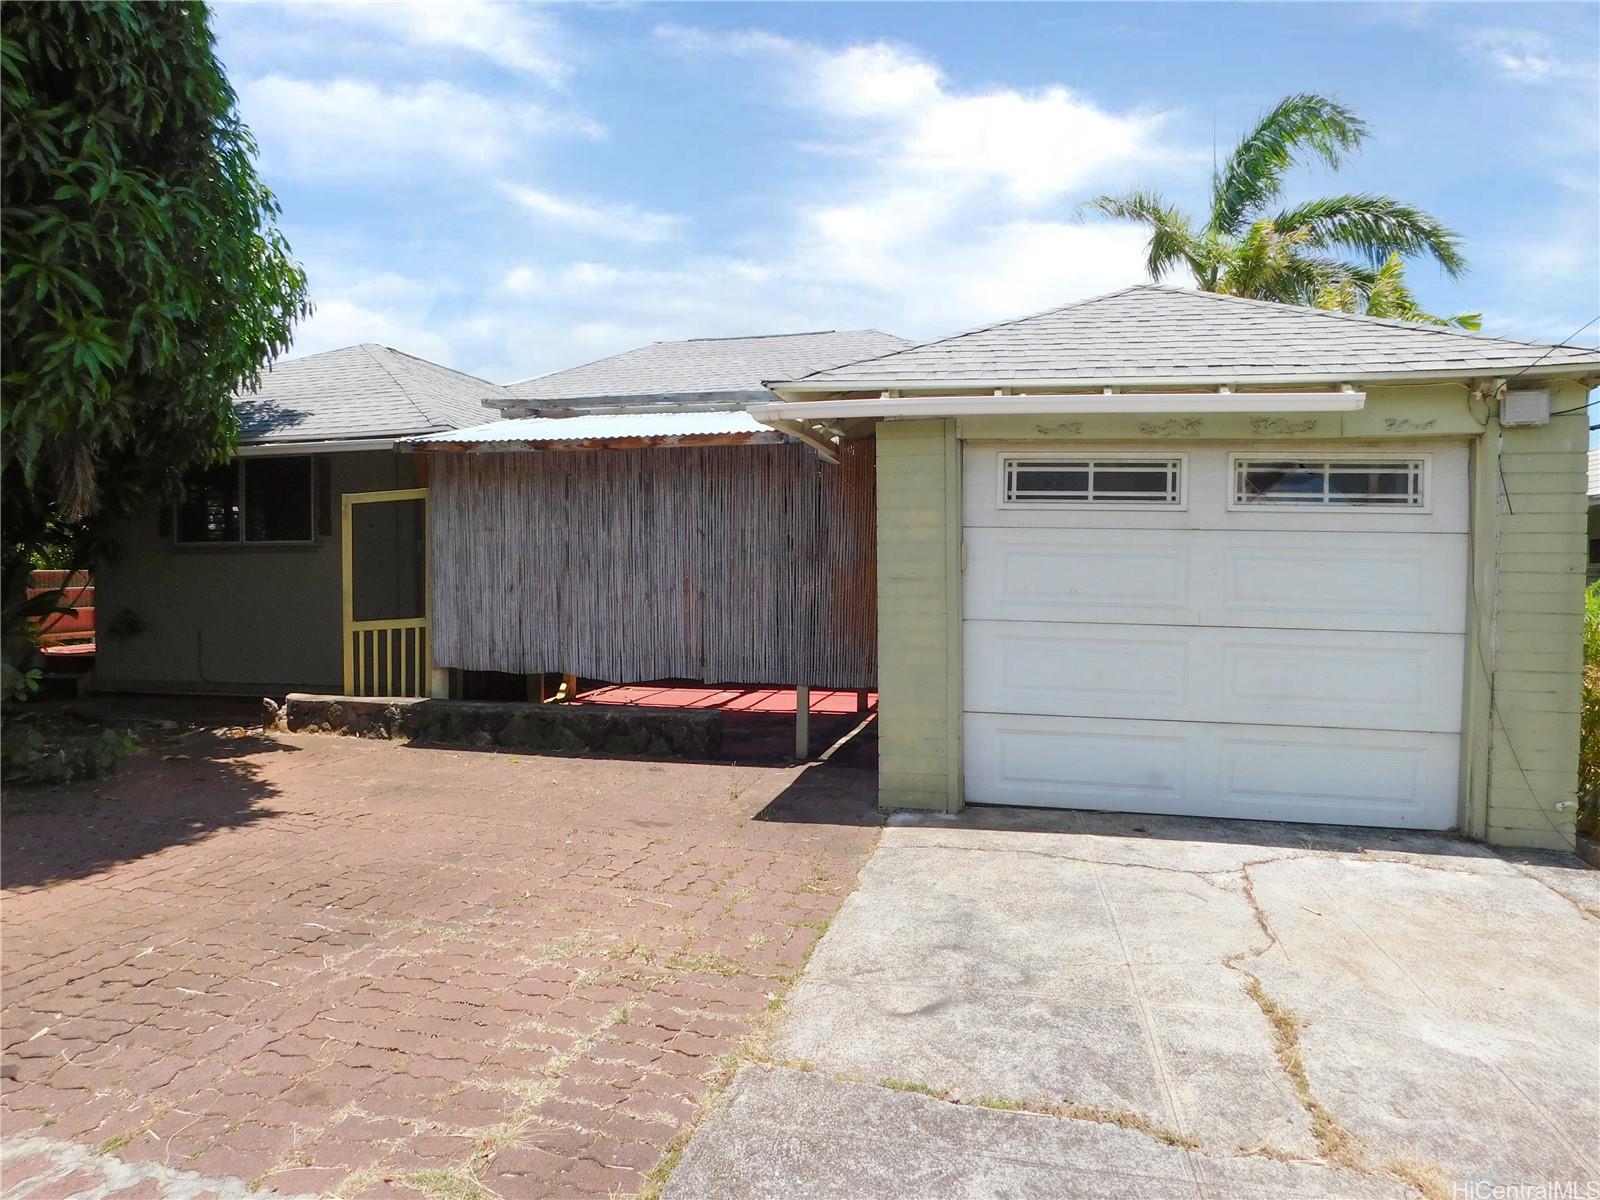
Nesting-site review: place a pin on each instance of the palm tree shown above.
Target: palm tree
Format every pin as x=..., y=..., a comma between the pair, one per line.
x=1298, y=253
x=1388, y=296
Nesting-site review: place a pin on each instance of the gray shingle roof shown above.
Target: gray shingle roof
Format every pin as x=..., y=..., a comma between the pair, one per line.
x=1150, y=332
x=678, y=371
x=365, y=391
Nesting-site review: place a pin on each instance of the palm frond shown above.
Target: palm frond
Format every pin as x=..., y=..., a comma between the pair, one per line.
x=1172, y=239
x=1253, y=174
x=1375, y=227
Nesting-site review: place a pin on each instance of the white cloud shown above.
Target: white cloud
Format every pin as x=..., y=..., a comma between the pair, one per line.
x=923, y=207
x=1037, y=145
x=1523, y=55
x=621, y=222
x=937, y=206
x=386, y=307
x=353, y=127
x=517, y=37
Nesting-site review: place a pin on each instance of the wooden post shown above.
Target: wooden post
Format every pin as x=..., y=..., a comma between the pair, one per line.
x=439, y=683
x=347, y=610
x=861, y=700
x=802, y=722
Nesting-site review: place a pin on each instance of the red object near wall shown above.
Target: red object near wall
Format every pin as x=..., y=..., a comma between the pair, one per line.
x=68, y=634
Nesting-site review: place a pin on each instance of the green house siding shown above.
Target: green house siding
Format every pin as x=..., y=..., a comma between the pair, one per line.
x=235, y=619
x=1528, y=517
x=1536, y=536
x=919, y=589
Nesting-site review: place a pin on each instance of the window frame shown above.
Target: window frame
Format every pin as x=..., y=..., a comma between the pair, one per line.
x=1238, y=460
x=242, y=541
x=1176, y=461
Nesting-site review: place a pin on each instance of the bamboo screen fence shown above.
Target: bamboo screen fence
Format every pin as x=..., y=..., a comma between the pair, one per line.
x=728, y=564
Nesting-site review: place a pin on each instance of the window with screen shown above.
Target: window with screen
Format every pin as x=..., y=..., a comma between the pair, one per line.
x=251, y=500
x=1050, y=482
x=1378, y=483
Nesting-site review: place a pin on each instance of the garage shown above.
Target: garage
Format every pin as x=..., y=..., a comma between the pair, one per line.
x=1246, y=630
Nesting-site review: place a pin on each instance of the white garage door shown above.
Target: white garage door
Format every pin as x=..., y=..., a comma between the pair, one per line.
x=1231, y=632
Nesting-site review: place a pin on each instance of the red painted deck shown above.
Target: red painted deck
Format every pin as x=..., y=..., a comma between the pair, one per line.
x=756, y=700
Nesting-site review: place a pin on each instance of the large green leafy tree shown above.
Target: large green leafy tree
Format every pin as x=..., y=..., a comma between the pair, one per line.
x=144, y=276
x=1331, y=249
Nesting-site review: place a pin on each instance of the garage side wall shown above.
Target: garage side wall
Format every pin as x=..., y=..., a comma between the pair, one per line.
x=1532, y=531
x=919, y=603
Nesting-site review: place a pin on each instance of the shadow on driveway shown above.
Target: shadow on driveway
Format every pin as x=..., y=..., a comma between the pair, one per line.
x=1191, y=830
x=172, y=793
x=827, y=794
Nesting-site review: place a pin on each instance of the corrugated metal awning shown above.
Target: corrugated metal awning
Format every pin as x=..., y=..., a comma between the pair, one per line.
x=617, y=431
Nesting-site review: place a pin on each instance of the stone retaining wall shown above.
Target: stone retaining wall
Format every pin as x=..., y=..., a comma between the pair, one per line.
x=592, y=728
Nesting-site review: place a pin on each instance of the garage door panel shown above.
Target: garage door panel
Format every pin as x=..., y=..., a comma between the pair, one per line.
x=1323, y=678
x=1091, y=764
x=1402, y=582
x=1342, y=581
x=1337, y=776
x=1077, y=575
x=1093, y=670
x=1347, y=776
x=1340, y=680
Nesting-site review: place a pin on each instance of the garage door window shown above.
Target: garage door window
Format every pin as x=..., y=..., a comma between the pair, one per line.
x=1378, y=483
x=1114, y=482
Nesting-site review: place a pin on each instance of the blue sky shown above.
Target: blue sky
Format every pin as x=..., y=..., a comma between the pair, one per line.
x=513, y=189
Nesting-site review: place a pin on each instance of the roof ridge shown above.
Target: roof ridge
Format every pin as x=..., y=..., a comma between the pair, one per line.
x=758, y=337
x=748, y=337
x=428, y=362
x=370, y=348
x=1044, y=312
x=1363, y=318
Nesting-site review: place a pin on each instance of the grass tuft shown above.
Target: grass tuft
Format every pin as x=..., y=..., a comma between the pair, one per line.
x=998, y=1102
x=1334, y=1141
x=442, y=1185
x=112, y=1144
x=911, y=1085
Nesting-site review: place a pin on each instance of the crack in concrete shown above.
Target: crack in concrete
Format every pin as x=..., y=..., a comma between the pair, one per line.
x=1584, y=910
x=1337, y=1145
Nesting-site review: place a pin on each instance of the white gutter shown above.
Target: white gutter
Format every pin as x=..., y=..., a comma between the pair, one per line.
x=346, y=446
x=995, y=404
x=838, y=383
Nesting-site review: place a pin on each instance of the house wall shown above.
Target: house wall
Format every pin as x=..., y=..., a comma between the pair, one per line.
x=238, y=619
x=1524, y=643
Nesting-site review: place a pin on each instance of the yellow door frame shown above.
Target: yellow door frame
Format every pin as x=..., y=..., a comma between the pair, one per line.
x=423, y=671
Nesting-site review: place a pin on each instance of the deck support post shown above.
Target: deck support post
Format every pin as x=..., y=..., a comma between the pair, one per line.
x=439, y=683
x=802, y=721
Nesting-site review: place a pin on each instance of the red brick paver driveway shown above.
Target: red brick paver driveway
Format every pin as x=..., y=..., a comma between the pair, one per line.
x=330, y=966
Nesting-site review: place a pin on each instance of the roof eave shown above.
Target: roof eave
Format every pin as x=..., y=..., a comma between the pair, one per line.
x=527, y=445
x=725, y=400
x=266, y=448
x=1582, y=370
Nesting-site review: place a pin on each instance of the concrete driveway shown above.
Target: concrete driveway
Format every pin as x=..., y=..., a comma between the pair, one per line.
x=1023, y=1004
